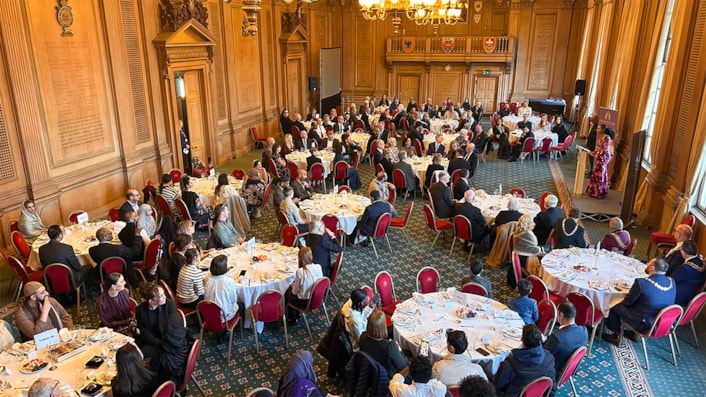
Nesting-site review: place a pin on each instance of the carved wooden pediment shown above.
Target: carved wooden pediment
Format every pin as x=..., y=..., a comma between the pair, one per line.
x=297, y=35
x=191, y=40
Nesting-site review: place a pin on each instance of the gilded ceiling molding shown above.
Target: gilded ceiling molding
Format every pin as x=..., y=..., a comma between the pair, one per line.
x=172, y=13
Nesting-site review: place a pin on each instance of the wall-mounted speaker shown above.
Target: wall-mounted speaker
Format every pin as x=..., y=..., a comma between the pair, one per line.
x=580, y=87
x=313, y=83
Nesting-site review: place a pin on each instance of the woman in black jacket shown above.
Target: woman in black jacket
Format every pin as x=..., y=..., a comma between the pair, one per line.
x=150, y=316
x=133, y=378
x=169, y=359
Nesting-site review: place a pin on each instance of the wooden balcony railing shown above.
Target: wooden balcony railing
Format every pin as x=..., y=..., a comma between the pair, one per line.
x=450, y=48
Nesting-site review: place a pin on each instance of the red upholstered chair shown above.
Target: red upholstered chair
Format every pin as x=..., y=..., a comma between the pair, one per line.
x=401, y=184
x=664, y=241
x=22, y=273
x=317, y=175
x=543, y=206
x=563, y=147
x=133, y=306
x=539, y=387
x=381, y=226
x=166, y=389
x=21, y=247
x=541, y=292
x=513, y=107
x=269, y=307
x=265, y=197
x=259, y=141
x=273, y=167
x=293, y=169
x=691, y=311
x=516, y=264
x=334, y=274
x=151, y=257
x=385, y=288
x=183, y=210
x=189, y=373
x=586, y=314
x=544, y=147
x=341, y=172
x=212, y=318
x=528, y=147
x=59, y=279
x=289, y=235
x=463, y=231
x=263, y=390
x=14, y=226
x=238, y=174
x=356, y=160
x=401, y=223
x=518, y=192
x=664, y=325
x=114, y=264
x=319, y=291
x=435, y=225
x=344, y=188
x=453, y=390
x=73, y=217
x=418, y=147
x=631, y=246
x=547, y=316
x=176, y=175
x=332, y=223
x=456, y=174
x=295, y=131
x=427, y=280
x=163, y=205
x=114, y=214
x=378, y=168
x=391, y=196
x=474, y=288
x=170, y=295
x=570, y=368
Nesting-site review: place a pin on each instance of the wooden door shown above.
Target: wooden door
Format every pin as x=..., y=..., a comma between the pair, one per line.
x=294, y=90
x=486, y=91
x=195, y=114
x=408, y=85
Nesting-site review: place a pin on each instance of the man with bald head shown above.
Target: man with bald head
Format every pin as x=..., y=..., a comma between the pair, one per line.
x=674, y=257
x=132, y=202
x=106, y=249
x=44, y=387
x=301, y=186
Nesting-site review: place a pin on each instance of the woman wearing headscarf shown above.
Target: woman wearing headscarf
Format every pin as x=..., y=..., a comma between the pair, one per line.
x=254, y=192
x=169, y=359
x=30, y=224
x=285, y=122
x=146, y=220
x=299, y=379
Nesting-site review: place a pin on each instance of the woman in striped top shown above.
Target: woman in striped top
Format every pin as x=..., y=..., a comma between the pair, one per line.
x=190, y=283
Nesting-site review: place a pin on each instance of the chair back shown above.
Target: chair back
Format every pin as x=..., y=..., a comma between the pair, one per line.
x=462, y=228
x=513, y=107
x=539, y=289
x=331, y=223
x=167, y=290
x=427, y=280
x=19, y=269
x=398, y=178
x=261, y=392
x=361, y=125
x=385, y=288
x=266, y=196
x=60, y=278
x=418, y=147
x=378, y=168
x=545, y=145
x=73, y=217
x=238, y=174
x=190, y=364
x=429, y=216
x=382, y=224
x=391, y=194
x=693, y=308
x=281, y=217
x=358, y=130
x=293, y=169
x=368, y=291
x=537, y=388
x=585, y=311
x=176, y=175
x=344, y=188
x=151, y=253
x=632, y=245
x=456, y=174
x=18, y=241
x=551, y=240
x=356, y=160
x=518, y=192
x=689, y=220
x=341, y=170
x=543, y=206
x=317, y=172
x=181, y=205
x=318, y=293
x=516, y=265
x=289, y=235
x=410, y=206
x=163, y=206
x=211, y=316
x=166, y=389
x=547, y=316
x=568, y=141
x=571, y=364
x=133, y=306
x=665, y=320
x=14, y=226
x=336, y=267
x=269, y=306
x=273, y=167
x=474, y=288
x=528, y=146
x=295, y=131
x=114, y=214
x=114, y=264
x=253, y=131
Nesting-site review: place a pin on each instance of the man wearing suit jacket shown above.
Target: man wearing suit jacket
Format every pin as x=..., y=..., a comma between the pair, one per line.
x=569, y=232
x=57, y=252
x=568, y=337
x=312, y=159
x=544, y=221
x=477, y=110
x=105, y=249
x=690, y=275
x=460, y=187
x=304, y=142
x=428, y=107
x=330, y=142
x=298, y=123
x=128, y=236
x=340, y=126
x=401, y=115
x=437, y=147
x=366, y=224
x=409, y=176
x=458, y=164
x=472, y=213
x=472, y=159
x=442, y=197
x=132, y=203
x=646, y=298
x=322, y=242
x=673, y=257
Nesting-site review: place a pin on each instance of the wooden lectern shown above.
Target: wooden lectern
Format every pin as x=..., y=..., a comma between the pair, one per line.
x=580, y=170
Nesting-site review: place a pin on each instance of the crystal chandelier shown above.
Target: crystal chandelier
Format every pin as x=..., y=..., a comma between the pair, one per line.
x=422, y=12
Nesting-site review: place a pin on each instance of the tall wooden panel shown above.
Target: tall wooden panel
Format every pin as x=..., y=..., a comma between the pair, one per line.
x=363, y=34
x=542, y=52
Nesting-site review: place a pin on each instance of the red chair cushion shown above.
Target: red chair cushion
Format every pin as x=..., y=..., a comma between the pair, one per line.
x=36, y=276
x=443, y=224
x=556, y=299
x=397, y=222
x=662, y=238
x=390, y=309
x=388, y=321
x=258, y=307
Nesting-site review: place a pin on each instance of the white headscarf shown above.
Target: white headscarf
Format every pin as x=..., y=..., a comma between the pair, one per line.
x=30, y=224
x=146, y=220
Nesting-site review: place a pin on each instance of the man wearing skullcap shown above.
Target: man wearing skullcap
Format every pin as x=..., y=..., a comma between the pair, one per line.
x=39, y=312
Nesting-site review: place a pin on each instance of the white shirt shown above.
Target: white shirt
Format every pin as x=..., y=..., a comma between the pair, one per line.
x=454, y=367
x=356, y=322
x=221, y=289
x=305, y=279
x=675, y=248
x=433, y=388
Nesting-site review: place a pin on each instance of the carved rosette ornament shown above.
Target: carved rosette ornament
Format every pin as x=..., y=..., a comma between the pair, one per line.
x=251, y=8
x=65, y=16
x=172, y=13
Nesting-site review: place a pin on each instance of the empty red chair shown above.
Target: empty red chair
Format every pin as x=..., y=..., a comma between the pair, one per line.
x=238, y=174
x=189, y=373
x=341, y=171
x=436, y=225
x=18, y=241
x=545, y=146
x=570, y=368
x=563, y=147
x=401, y=223
x=318, y=296
x=176, y=175
x=59, y=279
x=691, y=311
x=381, y=227
x=335, y=269
x=539, y=387
x=114, y=214
x=166, y=389
x=474, y=288
x=259, y=141
x=427, y=280
x=269, y=307
x=385, y=288
x=547, y=316
x=664, y=325
x=317, y=175
x=463, y=231
x=586, y=314
x=519, y=192
x=22, y=273
x=73, y=217
x=212, y=318
x=289, y=237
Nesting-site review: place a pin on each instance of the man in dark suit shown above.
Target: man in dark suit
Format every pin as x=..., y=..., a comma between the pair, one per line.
x=478, y=226
x=690, y=275
x=472, y=157
x=524, y=125
x=312, y=159
x=569, y=232
x=340, y=126
x=480, y=138
x=544, y=221
x=401, y=115
x=646, y=298
x=568, y=337
x=460, y=186
x=298, y=123
x=57, y=252
x=301, y=186
x=330, y=142
x=442, y=197
x=132, y=203
x=410, y=178
x=304, y=142
x=428, y=107
x=477, y=111
x=458, y=164
x=322, y=242
x=349, y=147
x=437, y=146
x=674, y=257
x=366, y=224
x=129, y=238
x=106, y=249
x=364, y=117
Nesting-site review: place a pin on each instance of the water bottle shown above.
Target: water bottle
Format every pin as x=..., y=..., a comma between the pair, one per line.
x=500, y=189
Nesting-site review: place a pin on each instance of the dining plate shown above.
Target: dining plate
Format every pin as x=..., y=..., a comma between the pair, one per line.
x=33, y=366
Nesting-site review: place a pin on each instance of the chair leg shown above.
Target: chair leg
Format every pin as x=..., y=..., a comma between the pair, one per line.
x=197, y=385
x=306, y=322
x=432, y=243
x=388, y=243
x=328, y=322
x=693, y=330
x=78, y=300
x=573, y=387
x=671, y=345
x=644, y=351
x=230, y=342
x=241, y=321
x=473, y=246
x=676, y=342
x=593, y=337
x=254, y=330
x=452, y=246
x=286, y=337
x=372, y=241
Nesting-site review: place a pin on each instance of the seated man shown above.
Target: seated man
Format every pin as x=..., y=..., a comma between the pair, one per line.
x=569, y=232
x=410, y=178
x=322, y=242
x=44, y=387
x=569, y=337
x=479, y=229
x=132, y=203
x=291, y=211
x=458, y=163
x=302, y=187
x=437, y=146
x=366, y=224
x=57, y=252
x=690, y=275
x=39, y=312
x=646, y=298
x=442, y=197
x=457, y=364
x=674, y=257
x=423, y=384
x=544, y=221
x=312, y=159
x=511, y=214
x=460, y=187
x=278, y=191
x=525, y=364
x=130, y=235
x=381, y=184
x=476, y=268
x=106, y=249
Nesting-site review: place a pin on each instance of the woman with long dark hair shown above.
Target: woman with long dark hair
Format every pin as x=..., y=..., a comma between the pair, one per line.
x=151, y=315
x=169, y=359
x=598, y=184
x=133, y=378
x=285, y=122
x=200, y=213
x=224, y=189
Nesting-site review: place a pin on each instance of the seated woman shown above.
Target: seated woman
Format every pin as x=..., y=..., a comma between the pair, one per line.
x=280, y=162
x=451, y=152
x=113, y=305
x=30, y=224
x=261, y=171
x=150, y=317
x=190, y=290
x=299, y=379
x=224, y=189
x=146, y=220
x=133, y=377
x=375, y=342
x=254, y=191
x=288, y=145
x=618, y=240
x=221, y=288
x=355, y=313
x=300, y=291
x=200, y=213
x=169, y=269
x=526, y=244
x=169, y=359
x=394, y=151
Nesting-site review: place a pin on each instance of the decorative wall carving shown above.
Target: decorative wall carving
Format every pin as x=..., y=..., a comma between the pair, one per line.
x=7, y=166
x=173, y=13
x=291, y=19
x=65, y=16
x=135, y=66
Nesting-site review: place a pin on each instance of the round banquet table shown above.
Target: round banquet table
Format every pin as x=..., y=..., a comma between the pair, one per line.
x=437, y=124
x=538, y=137
x=491, y=204
x=276, y=272
x=71, y=373
x=605, y=277
x=495, y=328
x=80, y=237
x=512, y=120
x=346, y=207
x=420, y=165
x=299, y=158
x=360, y=139
x=206, y=188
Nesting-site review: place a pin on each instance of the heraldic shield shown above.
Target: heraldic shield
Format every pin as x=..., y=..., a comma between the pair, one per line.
x=489, y=44
x=447, y=44
x=408, y=44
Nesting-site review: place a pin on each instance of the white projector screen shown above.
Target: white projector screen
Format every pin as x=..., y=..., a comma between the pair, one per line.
x=330, y=80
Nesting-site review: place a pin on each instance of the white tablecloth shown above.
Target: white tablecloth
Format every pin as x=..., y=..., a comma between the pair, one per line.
x=276, y=272
x=598, y=276
x=360, y=139
x=81, y=237
x=491, y=204
x=346, y=207
x=300, y=159
x=206, y=187
x=420, y=165
x=495, y=328
x=437, y=124
x=446, y=140
x=71, y=373
x=512, y=120
x=538, y=136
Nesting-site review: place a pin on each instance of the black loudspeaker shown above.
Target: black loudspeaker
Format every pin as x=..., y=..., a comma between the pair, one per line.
x=580, y=87
x=313, y=83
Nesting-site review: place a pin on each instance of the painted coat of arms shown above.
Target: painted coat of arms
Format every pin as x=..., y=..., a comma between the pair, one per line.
x=447, y=44
x=489, y=44
x=408, y=44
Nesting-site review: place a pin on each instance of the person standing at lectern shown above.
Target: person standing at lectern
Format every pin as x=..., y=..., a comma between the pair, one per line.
x=591, y=140
x=598, y=184
x=185, y=148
